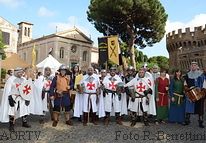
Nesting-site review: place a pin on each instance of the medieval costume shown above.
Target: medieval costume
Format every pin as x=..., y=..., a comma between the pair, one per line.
x=114, y=102
x=16, y=100
x=90, y=85
x=59, y=91
x=177, y=102
x=191, y=80
x=162, y=86
x=78, y=102
x=43, y=83
x=139, y=101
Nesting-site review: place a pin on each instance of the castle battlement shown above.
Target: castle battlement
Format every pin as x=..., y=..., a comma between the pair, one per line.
x=187, y=45
x=189, y=32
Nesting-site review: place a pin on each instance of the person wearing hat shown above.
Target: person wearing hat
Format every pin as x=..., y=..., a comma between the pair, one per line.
x=13, y=100
x=191, y=80
x=139, y=101
x=59, y=92
x=113, y=101
x=130, y=75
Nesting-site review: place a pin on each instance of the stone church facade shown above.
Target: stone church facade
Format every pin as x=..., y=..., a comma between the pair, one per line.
x=69, y=47
x=185, y=47
x=9, y=35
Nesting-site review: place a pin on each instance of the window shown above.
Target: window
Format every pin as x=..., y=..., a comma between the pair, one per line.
x=28, y=32
x=25, y=31
x=24, y=56
x=61, y=53
x=6, y=38
x=85, y=56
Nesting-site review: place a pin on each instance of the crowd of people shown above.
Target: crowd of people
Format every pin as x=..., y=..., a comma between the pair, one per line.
x=145, y=95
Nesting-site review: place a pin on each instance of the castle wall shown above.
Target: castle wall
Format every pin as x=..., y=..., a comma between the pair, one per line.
x=185, y=47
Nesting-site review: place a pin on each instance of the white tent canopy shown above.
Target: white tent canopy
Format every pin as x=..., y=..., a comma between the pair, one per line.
x=51, y=62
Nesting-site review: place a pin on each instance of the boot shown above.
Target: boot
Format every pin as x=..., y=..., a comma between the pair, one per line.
x=41, y=120
x=201, y=124
x=133, y=119
x=68, y=120
x=187, y=119
x=106, y=119
x=11, y=124
x=94, y=118
x=85, y=116
x=146, y=122
x=56, y=119
x=118, y=119
x=24, y=122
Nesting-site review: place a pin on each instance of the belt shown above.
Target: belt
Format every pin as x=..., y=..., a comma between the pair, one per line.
x=89, y=99
x=162, y=98
x=179, y=97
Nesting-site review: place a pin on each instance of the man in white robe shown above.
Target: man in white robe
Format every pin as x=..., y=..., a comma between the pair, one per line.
x=16, y=100
x=91, y=84
x=113, y=101
x=139, y=101
x=46, y=81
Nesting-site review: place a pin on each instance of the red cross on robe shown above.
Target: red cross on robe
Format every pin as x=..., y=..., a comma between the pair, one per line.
x=48, y=84
x=141, y=87
x=17, y=85
x=149, y=82
x=90, y=86
x=112, y=86
x=27, y=89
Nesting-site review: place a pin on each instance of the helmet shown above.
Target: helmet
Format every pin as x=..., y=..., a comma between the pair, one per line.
x=62, y=67
x=113, y=68
x=130, y=68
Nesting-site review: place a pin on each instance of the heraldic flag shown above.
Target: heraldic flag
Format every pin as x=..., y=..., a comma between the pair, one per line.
x=113, y=49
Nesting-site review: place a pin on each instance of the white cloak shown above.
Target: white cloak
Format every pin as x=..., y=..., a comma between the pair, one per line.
x=6, y=109
x=112, y=104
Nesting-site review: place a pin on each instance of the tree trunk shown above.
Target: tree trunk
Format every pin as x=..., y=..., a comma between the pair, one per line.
x=130, y=44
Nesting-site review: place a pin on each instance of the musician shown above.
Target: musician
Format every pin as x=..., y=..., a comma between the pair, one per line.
x=162, y=87
x=13, y=100
x=59, y=92
x=191, y=80
x=177, y=102
x=91, y=92
x=139, y=101
x=46, y=102
x=112, y=99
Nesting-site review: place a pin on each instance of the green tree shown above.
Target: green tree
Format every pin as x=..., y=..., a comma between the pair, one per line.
x=161, y=61
x=137, y=22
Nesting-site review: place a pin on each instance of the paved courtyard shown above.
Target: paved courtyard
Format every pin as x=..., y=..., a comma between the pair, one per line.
x=100, y=133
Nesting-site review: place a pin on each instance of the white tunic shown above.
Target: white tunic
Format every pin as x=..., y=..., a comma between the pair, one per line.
x=12, y=88
x=112, y=103
x=91, y=83
x=139, y=85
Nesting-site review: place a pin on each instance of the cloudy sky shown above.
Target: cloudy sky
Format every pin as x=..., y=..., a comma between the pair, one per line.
x=47, y=14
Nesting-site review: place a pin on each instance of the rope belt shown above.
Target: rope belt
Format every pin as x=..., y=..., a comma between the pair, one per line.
x=179, y=97
x=162, y=101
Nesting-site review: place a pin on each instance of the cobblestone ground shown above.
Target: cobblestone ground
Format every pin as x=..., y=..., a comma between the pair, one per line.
x=101, y=134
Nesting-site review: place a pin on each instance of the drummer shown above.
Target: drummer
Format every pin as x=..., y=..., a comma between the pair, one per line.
x=193, y=107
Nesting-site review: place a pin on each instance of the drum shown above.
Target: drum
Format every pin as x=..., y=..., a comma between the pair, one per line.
x=194, y=94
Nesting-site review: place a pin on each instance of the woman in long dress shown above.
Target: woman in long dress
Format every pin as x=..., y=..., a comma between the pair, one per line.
x=177, y=104
x=162, y=86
